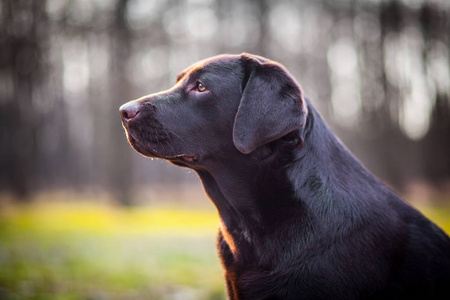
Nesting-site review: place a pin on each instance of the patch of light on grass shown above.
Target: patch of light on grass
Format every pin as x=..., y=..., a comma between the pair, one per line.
x=82, y=250
x=102, y=219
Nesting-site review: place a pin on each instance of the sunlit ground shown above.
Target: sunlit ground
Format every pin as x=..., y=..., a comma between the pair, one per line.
x=93, y=250
x=67, y=250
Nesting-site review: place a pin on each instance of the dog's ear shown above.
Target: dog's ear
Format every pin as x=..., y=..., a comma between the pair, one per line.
x=272, y=104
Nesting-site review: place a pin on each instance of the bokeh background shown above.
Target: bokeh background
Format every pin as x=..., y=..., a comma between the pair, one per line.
x=83, y=216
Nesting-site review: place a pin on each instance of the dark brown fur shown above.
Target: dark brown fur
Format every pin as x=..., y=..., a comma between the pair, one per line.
x=301, y=217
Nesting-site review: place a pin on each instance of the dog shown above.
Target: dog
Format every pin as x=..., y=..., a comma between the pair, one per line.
x=301, y=218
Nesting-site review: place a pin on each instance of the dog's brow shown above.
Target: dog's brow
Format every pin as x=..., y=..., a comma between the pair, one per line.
x=181, y=75
x=193, y=71
x=196, y=70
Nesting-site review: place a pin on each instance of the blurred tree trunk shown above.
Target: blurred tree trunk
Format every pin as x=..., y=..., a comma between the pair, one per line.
x=21, y=56
x=436, y=143
x=436, y=149
x=392, y=145
x=264, y=33
x=119, y=165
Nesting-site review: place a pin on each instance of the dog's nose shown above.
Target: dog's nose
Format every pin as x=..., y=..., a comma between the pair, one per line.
x=129, y=110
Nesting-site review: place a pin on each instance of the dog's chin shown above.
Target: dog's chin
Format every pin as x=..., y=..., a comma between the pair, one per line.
x=153, y=153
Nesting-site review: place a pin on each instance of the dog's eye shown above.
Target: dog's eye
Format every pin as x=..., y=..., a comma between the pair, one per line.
x=200, y=87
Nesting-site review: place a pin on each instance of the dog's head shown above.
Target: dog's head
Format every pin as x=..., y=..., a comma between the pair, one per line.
x=222, y=105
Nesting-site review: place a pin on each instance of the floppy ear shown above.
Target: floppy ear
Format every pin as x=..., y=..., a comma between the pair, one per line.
x=271, y=106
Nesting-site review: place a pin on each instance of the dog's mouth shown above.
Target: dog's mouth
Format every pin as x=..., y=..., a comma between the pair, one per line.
x=152, y=152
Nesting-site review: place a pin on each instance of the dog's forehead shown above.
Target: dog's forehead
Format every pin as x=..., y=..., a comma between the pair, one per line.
x=218, y=63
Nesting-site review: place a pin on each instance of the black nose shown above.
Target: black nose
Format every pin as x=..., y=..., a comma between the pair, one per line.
x=129, y=110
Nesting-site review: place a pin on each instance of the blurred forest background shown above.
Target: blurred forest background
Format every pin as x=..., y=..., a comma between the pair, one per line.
x=377, y=70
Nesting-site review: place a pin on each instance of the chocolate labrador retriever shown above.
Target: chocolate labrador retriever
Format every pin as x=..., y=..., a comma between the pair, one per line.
x=301, y=218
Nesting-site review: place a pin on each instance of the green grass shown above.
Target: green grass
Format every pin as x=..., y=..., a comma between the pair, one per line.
x=95, y=251
x=89, y=251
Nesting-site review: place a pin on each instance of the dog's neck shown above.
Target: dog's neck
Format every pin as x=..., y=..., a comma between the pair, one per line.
x=253, y=193
x=324, y=165
x=247, y=210
x=288, y=187
x=244, y=201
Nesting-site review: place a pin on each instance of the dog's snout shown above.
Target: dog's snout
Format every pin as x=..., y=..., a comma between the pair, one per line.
x=129, y=110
